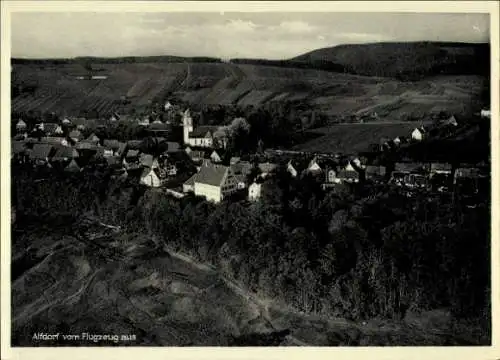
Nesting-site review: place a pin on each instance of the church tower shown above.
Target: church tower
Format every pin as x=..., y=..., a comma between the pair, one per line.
x=187, y=124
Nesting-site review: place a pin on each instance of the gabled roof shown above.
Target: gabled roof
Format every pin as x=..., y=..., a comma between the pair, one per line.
x=111, y=144
x=146, y=160
x=408, y=167
x=76, y=134
x=299, y=164
x=173, y=146
x=72, y=166
x=113, y=161
x=203, y=131
x=41, y=151
x=440, y=167
x=211, y=174
x=375, y=170
x=242, y=167
x=93, y=137
x=21, y=123
x=52, y=139
x=132, y=153
x=134, y=144
x=17, y=147
x=84, y=145
x=50, y=127
x=148, y=171
x=63, y=152
x=346, y=174
x=267, y=167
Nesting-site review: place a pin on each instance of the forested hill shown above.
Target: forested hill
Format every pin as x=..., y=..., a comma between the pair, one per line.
x=407, y=61
x=404, y=60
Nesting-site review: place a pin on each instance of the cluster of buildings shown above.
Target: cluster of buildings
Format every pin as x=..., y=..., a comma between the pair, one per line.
x=203, y=166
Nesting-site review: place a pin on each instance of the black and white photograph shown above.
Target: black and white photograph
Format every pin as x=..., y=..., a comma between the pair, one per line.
x=249, y=178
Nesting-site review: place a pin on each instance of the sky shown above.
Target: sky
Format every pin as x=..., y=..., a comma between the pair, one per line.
x=271, y=35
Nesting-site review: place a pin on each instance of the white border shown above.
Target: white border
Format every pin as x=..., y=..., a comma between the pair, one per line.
x=9, y=6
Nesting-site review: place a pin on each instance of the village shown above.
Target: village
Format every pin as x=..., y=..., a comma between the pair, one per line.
x=200, y=164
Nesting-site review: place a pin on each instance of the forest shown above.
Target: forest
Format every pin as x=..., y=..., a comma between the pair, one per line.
x=357, y=253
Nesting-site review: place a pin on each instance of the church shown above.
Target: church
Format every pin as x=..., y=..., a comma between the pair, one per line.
x=203, y=136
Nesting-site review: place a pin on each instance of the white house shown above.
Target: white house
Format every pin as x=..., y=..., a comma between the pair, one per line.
x=66, y=121
x=167, y=106
x=215, y=157
x=21, y=125
x=486, y=113
x=149, y=177
x=314, y=167
x=214, y=182
x=254, y=191
x=418, y=134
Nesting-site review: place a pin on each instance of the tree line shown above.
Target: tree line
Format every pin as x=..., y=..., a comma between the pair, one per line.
x=353, y=252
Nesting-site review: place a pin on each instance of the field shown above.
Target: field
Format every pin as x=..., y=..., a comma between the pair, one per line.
x=353, y=138
x=56, y=89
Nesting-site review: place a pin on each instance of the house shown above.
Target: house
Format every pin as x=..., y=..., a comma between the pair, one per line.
x=267, y=168
x=466, y=173
x=234, y=160
x=215, y=182
x=400, y=175
x=440, y=168
x=314, y=166
x=66, y=122
x=375, y=173
x=414, y=180
x=296, y=167
x=451, y=121
x=172, y=146
x=76, y=135
x=167, y=106
x=21, y=126
x=418, y=134
x=64, y=154
x=134, y=144
x=242, y=168
x=18, y=151
x=150, y=177
x=93, y=138
x=144, y=122
x=55, y=140
x=41, y=153
x=486, y=113
x=80, y=123
x=117, y=147
x=148, y=160
x=73, y=167
x=215, y=157
x=52, y=128
x=196, y=155
x=84, y=145
x=255, y=190
x=398, y=140
x=348, y=176
x=131, y=157
x=188, y=185
x=331, y=178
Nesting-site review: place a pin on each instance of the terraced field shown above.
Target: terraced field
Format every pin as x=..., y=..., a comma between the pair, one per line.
x=59, y=90
x=353, y=138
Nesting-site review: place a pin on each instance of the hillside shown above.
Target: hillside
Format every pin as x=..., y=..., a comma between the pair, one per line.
x=60, y=88
x=407, y=61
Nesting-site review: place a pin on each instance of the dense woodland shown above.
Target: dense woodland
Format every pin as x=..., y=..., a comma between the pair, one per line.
x=357, y=253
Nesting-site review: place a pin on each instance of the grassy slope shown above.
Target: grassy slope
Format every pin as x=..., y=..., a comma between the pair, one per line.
x=216, y=83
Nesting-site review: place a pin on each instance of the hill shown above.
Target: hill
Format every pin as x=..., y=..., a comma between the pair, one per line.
x=65, y=89
x=407, y=61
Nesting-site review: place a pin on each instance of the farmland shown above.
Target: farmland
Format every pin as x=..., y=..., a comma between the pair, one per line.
x=136, y=85
x=353, y=138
